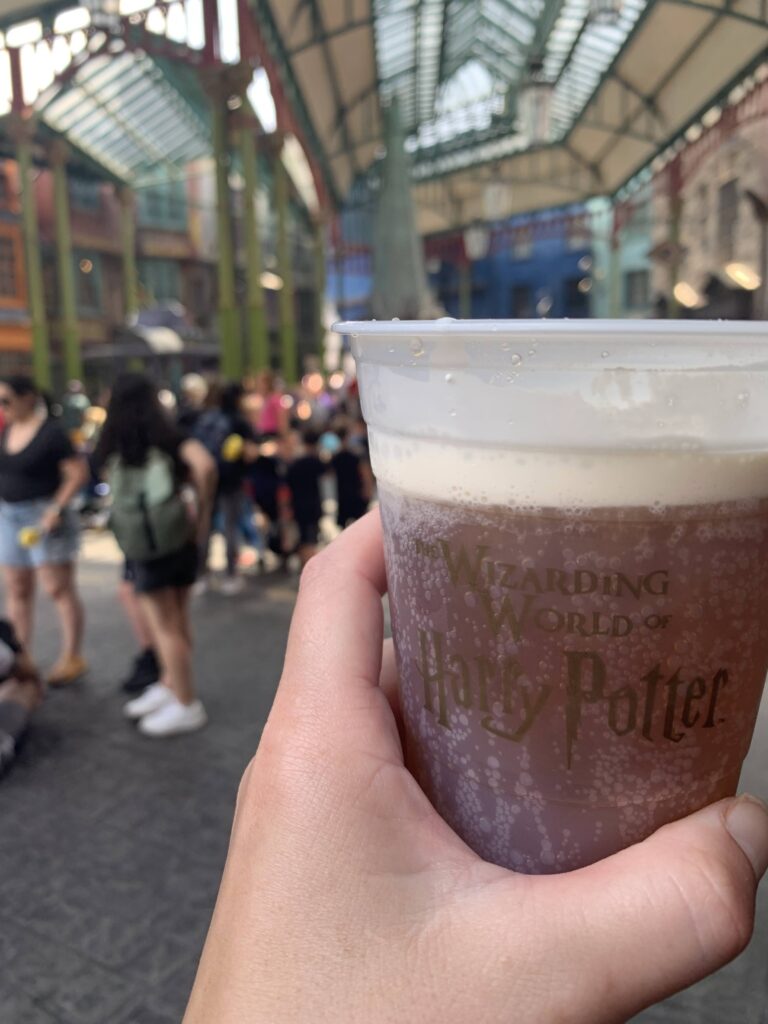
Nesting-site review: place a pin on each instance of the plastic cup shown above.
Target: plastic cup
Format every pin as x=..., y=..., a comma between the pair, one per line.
x=576, y=531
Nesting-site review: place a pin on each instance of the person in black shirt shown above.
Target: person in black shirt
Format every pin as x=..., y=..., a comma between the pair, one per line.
x=353, y=481
x=218, y=428
x=303, y=478
x=40, y=474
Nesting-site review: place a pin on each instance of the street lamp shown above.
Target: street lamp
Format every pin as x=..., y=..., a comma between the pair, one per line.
x=477, y=241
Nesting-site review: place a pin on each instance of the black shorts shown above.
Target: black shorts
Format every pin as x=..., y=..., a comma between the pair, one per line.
x=309, y=532
x=176, y=570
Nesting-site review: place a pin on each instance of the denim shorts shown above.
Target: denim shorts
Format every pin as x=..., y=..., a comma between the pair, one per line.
x=56, y=548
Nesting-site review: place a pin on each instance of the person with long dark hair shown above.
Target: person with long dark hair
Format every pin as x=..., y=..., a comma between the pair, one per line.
x=40, y=474
x=163, y=487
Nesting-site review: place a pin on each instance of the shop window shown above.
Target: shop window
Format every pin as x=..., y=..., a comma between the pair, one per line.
x=636, y=289
x=727, y=219
x=8, y=278
x=522, y=302
x=161, y=280
x=84, y=195
x=163, y=205
x=576, y=295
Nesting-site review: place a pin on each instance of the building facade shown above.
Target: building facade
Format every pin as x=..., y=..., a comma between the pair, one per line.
x=15, y=334
x=710, y=217
x=175, y=251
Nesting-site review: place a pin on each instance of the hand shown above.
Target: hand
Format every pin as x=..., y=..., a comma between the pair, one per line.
x=347, y=899
x=51, y=519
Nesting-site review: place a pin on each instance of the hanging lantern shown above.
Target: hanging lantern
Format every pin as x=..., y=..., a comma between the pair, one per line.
x=495, y=199
x=605, y=12
x=477, y=241
x=534, y=110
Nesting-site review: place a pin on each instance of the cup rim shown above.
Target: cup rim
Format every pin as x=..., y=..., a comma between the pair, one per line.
x=620, y=331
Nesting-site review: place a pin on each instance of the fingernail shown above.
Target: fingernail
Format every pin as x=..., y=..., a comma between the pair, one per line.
x=747, y=821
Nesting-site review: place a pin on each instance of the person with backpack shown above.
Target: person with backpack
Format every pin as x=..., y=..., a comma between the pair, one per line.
x=224, y=432
x=162, y=489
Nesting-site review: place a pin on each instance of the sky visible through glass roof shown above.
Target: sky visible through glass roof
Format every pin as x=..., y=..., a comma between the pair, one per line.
x=457, y=66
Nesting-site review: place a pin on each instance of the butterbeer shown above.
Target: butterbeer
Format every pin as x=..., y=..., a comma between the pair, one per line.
x=580, y=627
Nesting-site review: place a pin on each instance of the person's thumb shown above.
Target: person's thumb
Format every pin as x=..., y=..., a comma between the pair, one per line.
x=662, y=914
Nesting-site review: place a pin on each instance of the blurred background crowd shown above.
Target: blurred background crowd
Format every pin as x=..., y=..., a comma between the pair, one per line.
x=275, y=472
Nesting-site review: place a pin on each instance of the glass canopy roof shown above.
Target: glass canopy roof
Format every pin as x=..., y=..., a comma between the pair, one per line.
x=551, y=100
x=457, y=67
x=122, y=111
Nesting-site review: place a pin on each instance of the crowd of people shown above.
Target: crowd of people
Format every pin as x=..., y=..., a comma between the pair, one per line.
x=268, y=469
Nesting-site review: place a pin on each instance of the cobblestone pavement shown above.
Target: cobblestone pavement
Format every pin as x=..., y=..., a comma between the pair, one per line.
x=111, y=845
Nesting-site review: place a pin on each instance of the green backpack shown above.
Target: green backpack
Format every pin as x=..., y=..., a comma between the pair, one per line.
x=149, y=518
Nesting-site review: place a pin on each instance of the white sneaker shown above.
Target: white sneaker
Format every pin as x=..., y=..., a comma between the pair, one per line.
x=154, y=697
x=200, y=587
x=174, y=718
x=231, y=586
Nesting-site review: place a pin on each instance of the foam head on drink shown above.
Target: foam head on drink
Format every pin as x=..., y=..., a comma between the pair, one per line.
x=579, y=631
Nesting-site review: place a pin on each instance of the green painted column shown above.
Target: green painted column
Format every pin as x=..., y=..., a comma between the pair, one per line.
x=288, y=360
x=258, y=342
x=320, y=287
x=73, y=363
x=465, y=290
x=41, y=354
x=231, y=361
x=128, y=241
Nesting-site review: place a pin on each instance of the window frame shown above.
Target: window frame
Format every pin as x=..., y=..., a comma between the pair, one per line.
x=17, y=301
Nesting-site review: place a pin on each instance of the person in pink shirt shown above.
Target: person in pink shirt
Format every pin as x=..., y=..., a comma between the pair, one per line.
x=272, y=417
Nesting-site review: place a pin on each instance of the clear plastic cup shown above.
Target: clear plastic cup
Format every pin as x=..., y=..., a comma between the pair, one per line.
x=576, y=531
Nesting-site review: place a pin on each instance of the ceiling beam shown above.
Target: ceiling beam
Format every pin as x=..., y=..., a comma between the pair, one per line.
x=726, y=12
x=683, y=59
x=333, y=79
x=335, y=33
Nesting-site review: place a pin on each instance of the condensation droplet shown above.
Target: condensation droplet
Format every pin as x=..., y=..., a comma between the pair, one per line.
x=515, y=359
x=451, y=412
x=417, y=348
x=743, y=397
x=449, y=378
x=604, y=354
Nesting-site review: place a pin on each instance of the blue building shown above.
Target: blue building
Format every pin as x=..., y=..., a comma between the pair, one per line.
x=537, y=265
